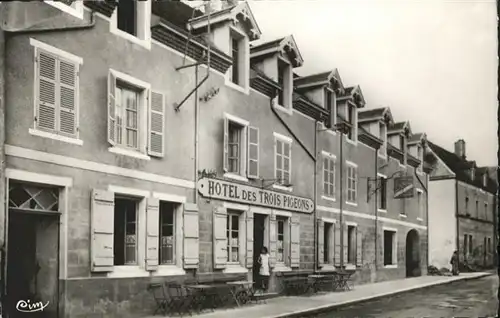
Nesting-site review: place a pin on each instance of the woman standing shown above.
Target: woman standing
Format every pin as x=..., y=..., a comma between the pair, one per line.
x=264, y=270
x=454, y=263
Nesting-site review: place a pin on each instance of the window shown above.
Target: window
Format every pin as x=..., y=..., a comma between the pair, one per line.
x=486, y=216
x=390, y=248
x=402, y=146
x=489, y=245
x=281, y=83
x=329, y=105
x=351, y=244
x=470, y=244
x=477, y=208
x=282, y=240
x=233, y=234
x=328, y=246
x=466, y=206
x=382, y=197
x=466, y=237
x=167, y=233
x=383, y=137
x=329, y=176
x=420, y=203
x=127, y=16
x=73, y=7
x=235, y=53
x=125, y=232
x=352, y=120
x=131, y=106
x=420, y=156
x=352, y=183
x=283, y=161
x=234, y=155
x=56, y=91
x=132, y=21
x=285, y=83
x=238, y=73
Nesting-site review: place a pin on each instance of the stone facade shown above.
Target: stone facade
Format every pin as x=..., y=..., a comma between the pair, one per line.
x=282, y=145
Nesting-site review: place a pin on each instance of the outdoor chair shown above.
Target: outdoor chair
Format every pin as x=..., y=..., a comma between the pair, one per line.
x=178, y=299
x=160, y=296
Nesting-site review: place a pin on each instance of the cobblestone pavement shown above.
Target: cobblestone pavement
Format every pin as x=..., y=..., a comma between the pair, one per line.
x=473, y=298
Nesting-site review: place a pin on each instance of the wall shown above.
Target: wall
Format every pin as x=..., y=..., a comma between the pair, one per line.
x=442, y=239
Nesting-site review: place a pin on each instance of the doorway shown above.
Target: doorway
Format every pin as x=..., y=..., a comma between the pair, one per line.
x=412, y=254
x=32, y=262
x=259, y=228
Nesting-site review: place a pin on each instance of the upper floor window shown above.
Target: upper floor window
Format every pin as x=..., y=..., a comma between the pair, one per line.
x=420, y=155
x=241, y=148
x=329, y=175
x=285, y=83
x=73, y=7
x=135, y=117
x=329, y=104
x=352, y=120
x=283, y=160
x=466, y=205
x=352, y=183
x=402, y=146
x=383, y=137
x=238, y=73
x=235, y=53
x=382, y=197
x=132, y=20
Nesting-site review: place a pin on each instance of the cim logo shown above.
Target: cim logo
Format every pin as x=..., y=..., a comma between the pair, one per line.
x=28, y=306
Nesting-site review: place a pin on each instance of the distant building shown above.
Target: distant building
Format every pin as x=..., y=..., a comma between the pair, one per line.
x=462, y=208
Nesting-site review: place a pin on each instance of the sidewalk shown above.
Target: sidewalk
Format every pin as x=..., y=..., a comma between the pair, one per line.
x=294, y=306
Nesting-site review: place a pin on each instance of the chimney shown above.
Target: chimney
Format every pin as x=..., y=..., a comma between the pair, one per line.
x=460, y=148
x=212, y=6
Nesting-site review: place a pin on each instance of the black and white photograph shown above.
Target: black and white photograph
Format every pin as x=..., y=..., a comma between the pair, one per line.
x=249, y=159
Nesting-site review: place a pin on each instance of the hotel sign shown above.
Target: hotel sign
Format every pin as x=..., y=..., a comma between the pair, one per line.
x=223, y=190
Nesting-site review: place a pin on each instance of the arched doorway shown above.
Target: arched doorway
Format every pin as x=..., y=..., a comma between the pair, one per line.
x=413, y=254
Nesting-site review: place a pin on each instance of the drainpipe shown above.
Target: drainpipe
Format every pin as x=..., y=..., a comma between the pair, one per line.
x=341, y=205
x=196, y=126
x=376, y=207
x=427, y=217
x=316, y=247
x=457, y=243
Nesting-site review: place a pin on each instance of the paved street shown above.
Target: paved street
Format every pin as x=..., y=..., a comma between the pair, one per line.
x=472, y=298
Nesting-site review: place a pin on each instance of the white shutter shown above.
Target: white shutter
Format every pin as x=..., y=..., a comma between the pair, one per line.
x=157, y=125
x=152, y=233
x=191, y=236
x=272, y=239
x=225, y=141
x=46, y=83
x=345, y=247
x=359, y=248
x=249, y=234
x=294, y=241
x=338, y=247
x=321, y=242
x=253, y=153
x=112, y=108
x=220, y=237
x=102, y=226
x=68, y=94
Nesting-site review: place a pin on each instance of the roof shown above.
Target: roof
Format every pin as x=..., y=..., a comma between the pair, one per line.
x=460, y=167
x=285, y=45
x=318, y=79
x=399, y=127
x=375, y=114
x=355, y=94
x=417, y=138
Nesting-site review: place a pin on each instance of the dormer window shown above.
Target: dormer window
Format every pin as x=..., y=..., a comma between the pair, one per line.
x=353, y=121
x=132, y=20
x=285, y=83
x=420, y=156
x=383, y=137
x=235, y=53
x=238, y=49
x=329, y=104
x=402, y=146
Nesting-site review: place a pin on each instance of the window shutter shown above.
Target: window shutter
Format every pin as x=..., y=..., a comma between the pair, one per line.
x=359, y=248
x=68, y=97
x=225, y=141
x=46, y=83
x=338, y=248
x=111, y=108
x=321, y=242
x=152, y=232
x=249, y=222
x=102, y=222
x=253, y=152
x=220, y=237
x=345, y=246
x=156, y=125
x=294, y=241
x=191, y=236
x=272, y=239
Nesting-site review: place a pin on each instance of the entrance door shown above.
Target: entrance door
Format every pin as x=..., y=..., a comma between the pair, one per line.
x=259, y=228
x=32, y=262
x=412, y=254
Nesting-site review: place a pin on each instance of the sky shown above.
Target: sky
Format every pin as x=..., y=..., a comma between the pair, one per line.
x=433, y=62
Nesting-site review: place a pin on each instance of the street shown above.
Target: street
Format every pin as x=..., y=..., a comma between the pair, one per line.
x=472, y=298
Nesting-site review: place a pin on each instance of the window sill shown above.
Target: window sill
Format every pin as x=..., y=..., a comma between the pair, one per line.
x=235, y=269
x=391, y=266
x=169, y=270
x=382, y=211
x=44, y=134
x=351, y=203
x=236, y=87
x=324, y=197
x=282, y=268
x=420, y=219
x=350, y=266
x=127, y=271
x=238, y=177
x=286, y=110
x=130, y=153
x=403, y=216
x=145, y=43
x=328, y=268
x=283, y=188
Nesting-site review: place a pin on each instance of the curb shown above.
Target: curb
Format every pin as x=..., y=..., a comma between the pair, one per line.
x=326, y=308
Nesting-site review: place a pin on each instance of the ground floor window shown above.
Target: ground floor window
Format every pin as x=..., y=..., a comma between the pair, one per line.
x=390, y=251
x=282, y=240
x=233, y=234
x=328, y=243
x=125, y=232
x=167, y=233
x=351, y=244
